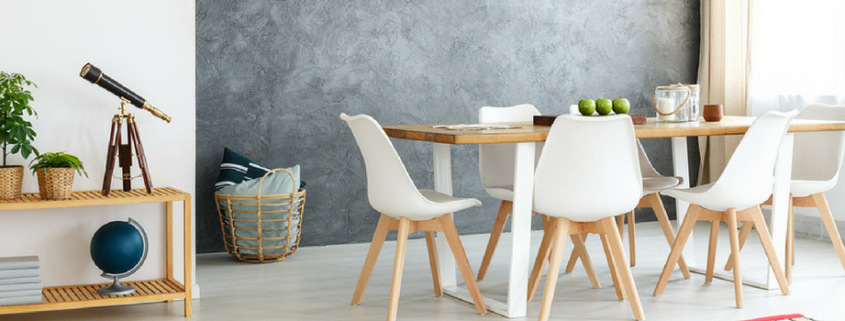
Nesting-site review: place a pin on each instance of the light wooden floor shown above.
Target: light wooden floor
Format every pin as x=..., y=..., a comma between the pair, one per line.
x=317, y=283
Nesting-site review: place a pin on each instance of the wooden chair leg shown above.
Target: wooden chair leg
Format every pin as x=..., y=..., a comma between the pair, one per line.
x=544, y=220
x=769, y=248
x=663, y=218
x=632, y=246
x=711, y=251
x=448, y=226
x=790, y=230
x=543, y=254
x=730, y=218
x=578, y=242
x=614, y=272
x=616, y=248
x=398, y=267
x=558, y=241
x=432, y=261
x=677, y=247
x=830, y=225
x=620, y=224
x=498, y=227
x=790, y=238
x=573, y=257
x=372, y=256
x=743, y=236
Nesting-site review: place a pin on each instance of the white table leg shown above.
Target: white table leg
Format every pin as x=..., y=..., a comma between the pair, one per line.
x=780, y=204
x=521, y=230
x=680, y=163
x=516, y=304
x=443, y=184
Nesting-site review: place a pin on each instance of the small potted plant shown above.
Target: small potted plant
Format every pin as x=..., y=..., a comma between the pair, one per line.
x=16, y=134
x=55, y=174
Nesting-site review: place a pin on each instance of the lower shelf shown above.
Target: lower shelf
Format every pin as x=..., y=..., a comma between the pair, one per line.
x=85, y=296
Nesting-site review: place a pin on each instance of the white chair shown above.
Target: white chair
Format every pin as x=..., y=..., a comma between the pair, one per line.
x=736, y=196
x=581, y=184
x=816, y=160
x=653, y=183
x=496, y=163
x=406, y=209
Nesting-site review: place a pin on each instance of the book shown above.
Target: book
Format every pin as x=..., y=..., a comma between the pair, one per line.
x=33, y=299
x=18, y=262
x=19, y=294
x=19, y=273
x=31, y=279
x=20, y=287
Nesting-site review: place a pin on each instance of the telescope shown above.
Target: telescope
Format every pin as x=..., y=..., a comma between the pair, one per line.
x=118, y=149
x=97, y=77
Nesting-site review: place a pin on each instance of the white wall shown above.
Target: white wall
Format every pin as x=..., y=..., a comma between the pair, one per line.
x=148, y=45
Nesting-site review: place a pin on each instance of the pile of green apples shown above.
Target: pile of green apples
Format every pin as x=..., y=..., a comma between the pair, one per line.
x=603, y=106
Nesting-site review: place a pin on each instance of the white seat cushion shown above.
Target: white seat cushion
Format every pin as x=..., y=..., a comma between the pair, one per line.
x=801, y=188
x=657, y=184
x=504, y=193
x=444, y=204
x=701, y=196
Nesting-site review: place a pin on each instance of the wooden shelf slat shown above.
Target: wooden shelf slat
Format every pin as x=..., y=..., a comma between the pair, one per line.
x=95, y=198
x=82, y=296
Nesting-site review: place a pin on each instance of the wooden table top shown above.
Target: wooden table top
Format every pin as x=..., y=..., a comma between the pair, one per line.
x=527, y=132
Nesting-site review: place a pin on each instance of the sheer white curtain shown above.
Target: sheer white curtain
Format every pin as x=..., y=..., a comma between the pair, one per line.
x=798, y=57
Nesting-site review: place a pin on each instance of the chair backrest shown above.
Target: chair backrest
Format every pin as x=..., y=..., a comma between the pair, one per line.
x=818, y=156
x=645, y=165
x=389, y=187
x=748, y=177
x=496, y=161
x=589, y=168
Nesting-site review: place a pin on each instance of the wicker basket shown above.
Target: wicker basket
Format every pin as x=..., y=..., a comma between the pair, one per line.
x=55, y=184
x=261, y=228
x=11, y=182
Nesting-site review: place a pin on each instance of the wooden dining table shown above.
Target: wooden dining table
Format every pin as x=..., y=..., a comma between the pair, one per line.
x=526, y=135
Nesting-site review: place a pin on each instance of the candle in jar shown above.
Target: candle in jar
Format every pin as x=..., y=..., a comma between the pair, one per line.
x=666, y=105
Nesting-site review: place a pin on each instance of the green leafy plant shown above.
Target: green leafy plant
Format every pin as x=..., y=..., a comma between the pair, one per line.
x=56, y=160
x=16, y=134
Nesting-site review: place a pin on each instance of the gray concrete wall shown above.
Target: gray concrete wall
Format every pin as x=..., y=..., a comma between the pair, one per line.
x=272, y=77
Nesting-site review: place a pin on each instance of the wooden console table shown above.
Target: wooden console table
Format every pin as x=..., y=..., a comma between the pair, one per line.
x=85, y=296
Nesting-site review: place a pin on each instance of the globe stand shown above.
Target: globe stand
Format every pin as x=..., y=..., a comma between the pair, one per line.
x=116, y=288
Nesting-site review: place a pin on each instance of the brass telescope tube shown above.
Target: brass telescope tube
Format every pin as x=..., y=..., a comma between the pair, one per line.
x=96, y=76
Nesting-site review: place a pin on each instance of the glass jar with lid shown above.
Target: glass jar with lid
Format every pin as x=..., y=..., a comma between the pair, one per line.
x=694, y=109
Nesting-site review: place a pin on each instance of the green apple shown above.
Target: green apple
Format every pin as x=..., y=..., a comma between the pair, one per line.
x=603, y=106
x=621, y=106
x=586, y=107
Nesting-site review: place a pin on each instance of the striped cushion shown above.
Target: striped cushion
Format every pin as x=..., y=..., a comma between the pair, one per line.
x=236, y=168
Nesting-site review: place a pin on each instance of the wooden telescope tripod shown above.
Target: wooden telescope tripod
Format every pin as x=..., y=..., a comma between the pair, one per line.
x=123, y=151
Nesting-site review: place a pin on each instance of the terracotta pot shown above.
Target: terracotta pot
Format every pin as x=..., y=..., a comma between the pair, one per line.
x=11, y=181
x=55, y=184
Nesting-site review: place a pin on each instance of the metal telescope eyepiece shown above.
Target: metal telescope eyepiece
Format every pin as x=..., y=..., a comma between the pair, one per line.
x=97, y=77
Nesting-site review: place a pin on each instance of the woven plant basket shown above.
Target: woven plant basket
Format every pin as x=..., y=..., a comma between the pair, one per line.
x=11, y=181
x=261, y=228
x=55, y=184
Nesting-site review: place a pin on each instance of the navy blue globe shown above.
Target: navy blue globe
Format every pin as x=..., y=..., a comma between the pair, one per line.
x=117, y=247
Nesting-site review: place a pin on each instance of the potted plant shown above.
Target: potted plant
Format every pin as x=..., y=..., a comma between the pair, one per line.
x=16, y=134
x=55, y=174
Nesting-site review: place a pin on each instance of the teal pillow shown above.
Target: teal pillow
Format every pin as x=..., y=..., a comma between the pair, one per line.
x=274, y=225
x=236, y=168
